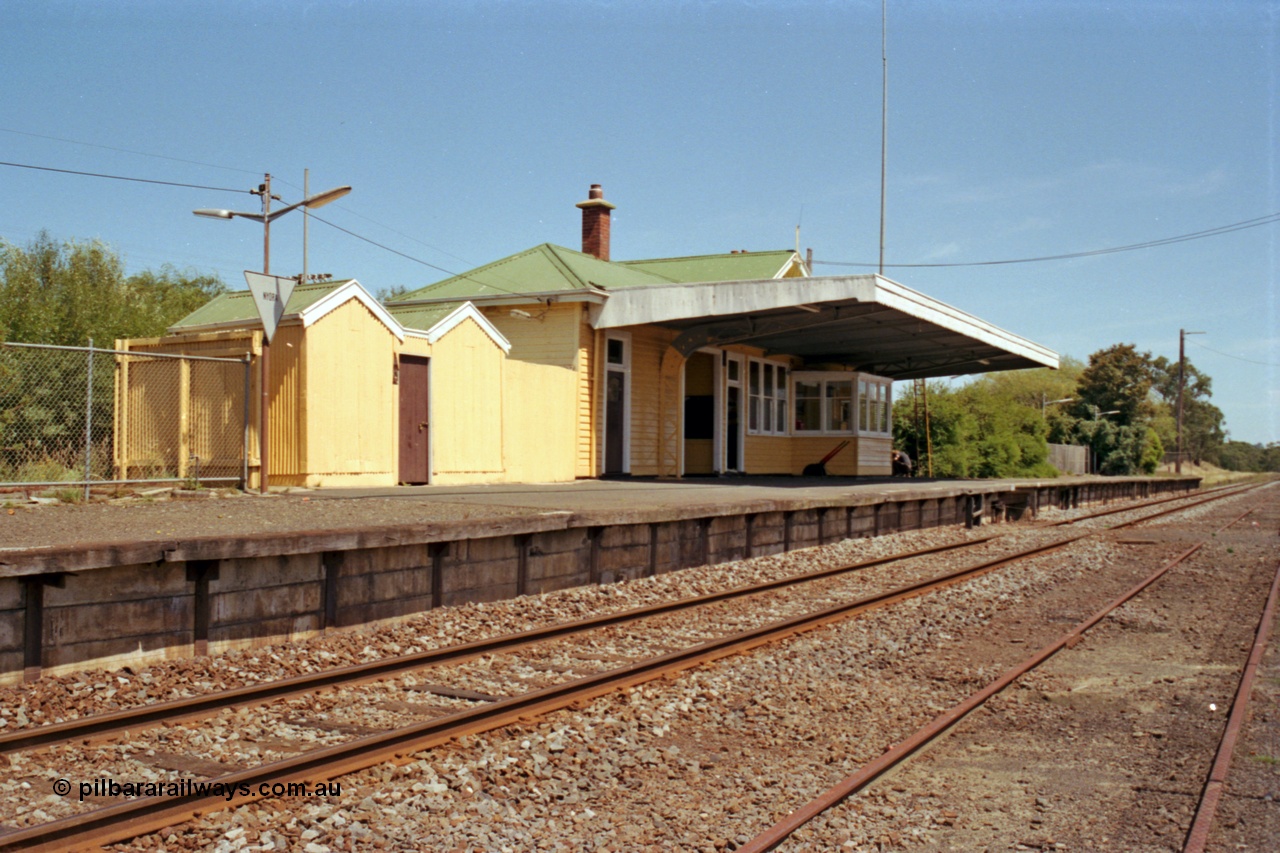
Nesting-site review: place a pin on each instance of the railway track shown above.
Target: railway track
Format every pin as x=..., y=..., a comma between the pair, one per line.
x=128, y=819
x=181, y=710
x=899, y=754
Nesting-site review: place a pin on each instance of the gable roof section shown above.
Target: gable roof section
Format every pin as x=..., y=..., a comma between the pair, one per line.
x=433, y=322
x=351, y=290
x=544, y=269
x=236, y=309
x=548, y=269
x=735, y=266
x=307, y=304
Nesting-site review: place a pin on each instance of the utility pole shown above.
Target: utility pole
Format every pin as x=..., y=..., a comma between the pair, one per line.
x=264, y=366
x=1182, y=382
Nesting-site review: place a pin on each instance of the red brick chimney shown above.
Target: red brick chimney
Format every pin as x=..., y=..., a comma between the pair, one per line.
x=595, y=223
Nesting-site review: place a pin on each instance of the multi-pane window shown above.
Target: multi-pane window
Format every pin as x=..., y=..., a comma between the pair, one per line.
x=766, y=398
x=839, y=399
x=875, y=404
x=808, y=405
x=841, y=403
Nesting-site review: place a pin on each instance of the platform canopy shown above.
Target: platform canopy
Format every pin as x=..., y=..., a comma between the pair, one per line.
x=868, y=322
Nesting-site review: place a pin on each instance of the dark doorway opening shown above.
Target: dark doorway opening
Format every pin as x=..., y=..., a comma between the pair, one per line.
x=415, y=444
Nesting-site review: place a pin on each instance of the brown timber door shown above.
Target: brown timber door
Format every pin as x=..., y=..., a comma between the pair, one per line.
x=415, y=457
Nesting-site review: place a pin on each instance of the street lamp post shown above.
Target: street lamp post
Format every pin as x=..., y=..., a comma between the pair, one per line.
x=1097, y=416
x=266, y=217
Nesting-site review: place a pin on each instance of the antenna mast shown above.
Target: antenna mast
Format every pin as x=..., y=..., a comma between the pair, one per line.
x=884, y=115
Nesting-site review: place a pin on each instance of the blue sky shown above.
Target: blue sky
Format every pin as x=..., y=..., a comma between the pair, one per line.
x=469, y=130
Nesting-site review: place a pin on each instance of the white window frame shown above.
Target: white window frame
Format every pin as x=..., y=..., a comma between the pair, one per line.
x=880, y=406
x=822, y=378
x=872, y=394
x=779, y=402
x=625, y=369
x=740, y=360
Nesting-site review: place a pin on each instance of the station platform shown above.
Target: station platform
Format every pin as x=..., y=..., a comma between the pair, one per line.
x=115, y=584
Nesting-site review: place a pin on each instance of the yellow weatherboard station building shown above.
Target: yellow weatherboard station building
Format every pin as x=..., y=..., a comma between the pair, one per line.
x=739, y=362
x=554, y=364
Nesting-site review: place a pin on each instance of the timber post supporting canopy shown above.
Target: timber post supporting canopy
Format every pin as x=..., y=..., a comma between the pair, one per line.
x=868, y=322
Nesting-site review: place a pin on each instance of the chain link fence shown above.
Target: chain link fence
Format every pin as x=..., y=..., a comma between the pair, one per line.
x=83, y=416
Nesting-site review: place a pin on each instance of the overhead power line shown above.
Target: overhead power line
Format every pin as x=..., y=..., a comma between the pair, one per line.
x=120, y=178
x=380, y=245
x=1236, y=357
x=126, y=150
x=131, y=179
x=410, y=257
x=1164, y=241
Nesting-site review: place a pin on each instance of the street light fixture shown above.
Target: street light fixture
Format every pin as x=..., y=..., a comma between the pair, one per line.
x=1045, y=404
x=266, y=217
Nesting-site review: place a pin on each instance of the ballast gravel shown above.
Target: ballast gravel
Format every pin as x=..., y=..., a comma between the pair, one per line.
x=702, y=762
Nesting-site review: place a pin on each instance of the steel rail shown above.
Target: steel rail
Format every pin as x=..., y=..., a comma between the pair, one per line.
x=255, y=694
x=1204, y=500
x=780, y=831
x=1215, y=785
x=112, y=824
x=179, y=710
x=1215, y=493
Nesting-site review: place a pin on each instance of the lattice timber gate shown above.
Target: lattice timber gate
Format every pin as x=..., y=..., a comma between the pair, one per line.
x=83, y=416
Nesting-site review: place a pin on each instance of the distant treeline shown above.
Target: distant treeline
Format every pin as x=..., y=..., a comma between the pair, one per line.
x=1121, y=405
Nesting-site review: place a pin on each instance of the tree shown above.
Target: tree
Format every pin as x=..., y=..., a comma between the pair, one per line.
x=1203, y=431
x=66, y=293
x=950, y=427
x=387, y=295
x=1117, y=379
x=1242, y=456
x=981, y=430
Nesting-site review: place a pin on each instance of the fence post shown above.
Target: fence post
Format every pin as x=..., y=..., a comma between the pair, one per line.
x=244, y=456
x=88, y=424
x=184, y=419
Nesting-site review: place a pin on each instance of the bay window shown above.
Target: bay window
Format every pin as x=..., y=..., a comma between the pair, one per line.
x=828, y=402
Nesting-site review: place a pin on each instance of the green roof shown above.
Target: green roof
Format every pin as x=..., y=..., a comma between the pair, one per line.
x=543, y=269
x=421, y=317
x=238, y=306
x=740, y=266
x=548, y=268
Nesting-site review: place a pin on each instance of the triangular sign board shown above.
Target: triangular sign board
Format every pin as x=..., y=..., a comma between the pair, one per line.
x=271, y=294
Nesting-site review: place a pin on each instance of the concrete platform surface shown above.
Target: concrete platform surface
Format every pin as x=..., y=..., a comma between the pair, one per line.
x=42, y=538
x=622, y=494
